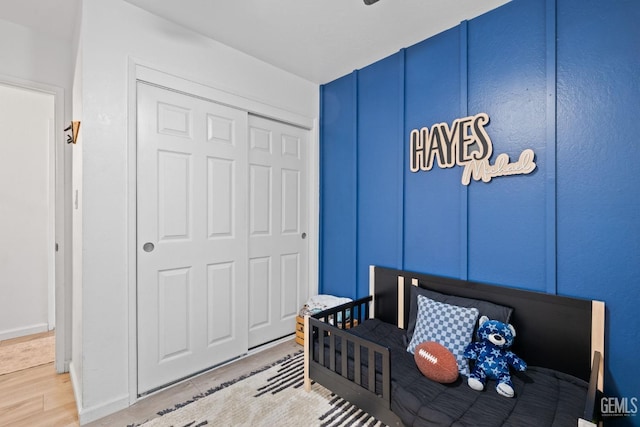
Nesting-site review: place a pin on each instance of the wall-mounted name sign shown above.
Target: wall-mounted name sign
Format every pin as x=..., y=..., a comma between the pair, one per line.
x=464, y=143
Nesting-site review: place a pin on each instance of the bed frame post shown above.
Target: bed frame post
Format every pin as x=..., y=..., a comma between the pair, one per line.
x=372, y=290
x=401, y=302
x=597, y=337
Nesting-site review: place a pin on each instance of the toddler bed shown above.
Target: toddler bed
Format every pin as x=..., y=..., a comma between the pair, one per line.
x=364, y=359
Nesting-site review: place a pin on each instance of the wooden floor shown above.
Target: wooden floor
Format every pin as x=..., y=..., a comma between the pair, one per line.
x=39, y=396
x=36, y=396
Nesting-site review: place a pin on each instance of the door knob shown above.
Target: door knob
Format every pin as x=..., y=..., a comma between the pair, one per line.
x=303, y=235
x=148, y=247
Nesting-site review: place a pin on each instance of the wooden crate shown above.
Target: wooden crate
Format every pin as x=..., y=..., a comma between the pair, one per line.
x=300, y=328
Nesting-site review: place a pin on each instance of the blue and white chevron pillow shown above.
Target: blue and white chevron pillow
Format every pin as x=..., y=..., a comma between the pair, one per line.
x=447, y=324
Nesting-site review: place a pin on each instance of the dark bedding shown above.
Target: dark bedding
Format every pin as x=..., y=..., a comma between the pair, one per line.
x=543, y=397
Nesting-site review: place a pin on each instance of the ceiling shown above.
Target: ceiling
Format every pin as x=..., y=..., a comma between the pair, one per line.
x=319, y=40
x=54, y=18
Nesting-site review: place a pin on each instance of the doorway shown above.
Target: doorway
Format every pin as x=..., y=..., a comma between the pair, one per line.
x=27, y=229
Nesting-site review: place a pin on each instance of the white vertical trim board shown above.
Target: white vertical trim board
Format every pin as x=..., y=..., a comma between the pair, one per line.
x=132, y=197
x=51, y=225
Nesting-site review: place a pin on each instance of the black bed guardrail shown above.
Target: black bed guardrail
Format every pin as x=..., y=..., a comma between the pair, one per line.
x=327, y=329
x=353, y=311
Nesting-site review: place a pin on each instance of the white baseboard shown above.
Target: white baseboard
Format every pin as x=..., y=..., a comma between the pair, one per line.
x=75, y=384
x=87, y=415
x=23, y=331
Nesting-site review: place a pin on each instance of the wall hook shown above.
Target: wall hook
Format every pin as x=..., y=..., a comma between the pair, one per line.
x=74, y=127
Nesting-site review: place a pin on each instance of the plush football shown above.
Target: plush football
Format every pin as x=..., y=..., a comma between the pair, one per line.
x=436, y=362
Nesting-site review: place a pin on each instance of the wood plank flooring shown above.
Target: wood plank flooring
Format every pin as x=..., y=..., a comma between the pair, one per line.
x=36, y=396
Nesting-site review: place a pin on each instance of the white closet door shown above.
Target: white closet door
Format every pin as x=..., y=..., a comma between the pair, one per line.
x=191, y=235
x=278, y=217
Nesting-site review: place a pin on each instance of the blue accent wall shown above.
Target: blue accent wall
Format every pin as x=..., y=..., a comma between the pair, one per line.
x=432, y=200
x=561, y=77
x=338, y=186
x=379, y=224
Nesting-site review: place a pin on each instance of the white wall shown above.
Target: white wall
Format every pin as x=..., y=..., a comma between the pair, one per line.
x=26, y=211
x=113, y=34
x=34, y=57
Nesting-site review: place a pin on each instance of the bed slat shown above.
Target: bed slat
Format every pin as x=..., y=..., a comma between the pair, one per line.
x=357, y=370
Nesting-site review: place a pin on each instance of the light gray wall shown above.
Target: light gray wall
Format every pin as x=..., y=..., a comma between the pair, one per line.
x=114, y=35
x=26, y=229
x=31, y=56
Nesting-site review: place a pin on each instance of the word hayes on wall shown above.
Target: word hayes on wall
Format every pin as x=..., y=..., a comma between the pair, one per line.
x=464, y=143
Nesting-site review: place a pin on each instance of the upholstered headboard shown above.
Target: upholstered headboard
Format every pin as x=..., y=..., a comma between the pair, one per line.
x=553, y=331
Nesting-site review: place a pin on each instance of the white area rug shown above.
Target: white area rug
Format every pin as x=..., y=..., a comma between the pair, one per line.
x=273, y=396
x=23, y=355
